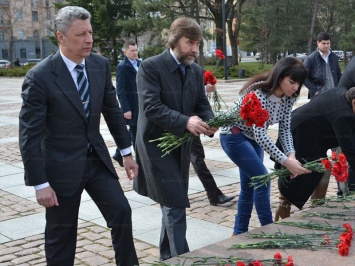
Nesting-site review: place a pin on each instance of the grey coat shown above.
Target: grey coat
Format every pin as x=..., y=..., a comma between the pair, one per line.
x=166, y=103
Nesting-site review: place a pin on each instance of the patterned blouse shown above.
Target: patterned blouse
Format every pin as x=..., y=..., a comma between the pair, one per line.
x=280, y=112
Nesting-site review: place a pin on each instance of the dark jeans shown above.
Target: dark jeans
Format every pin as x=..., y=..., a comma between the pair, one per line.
x=200, y=167
x=248, y=156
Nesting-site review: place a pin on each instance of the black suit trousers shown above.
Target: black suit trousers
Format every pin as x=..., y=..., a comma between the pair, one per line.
x=203, y=173
x=62, y=220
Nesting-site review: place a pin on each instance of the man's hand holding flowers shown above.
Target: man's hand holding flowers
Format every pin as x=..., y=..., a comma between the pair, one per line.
x=196, y=126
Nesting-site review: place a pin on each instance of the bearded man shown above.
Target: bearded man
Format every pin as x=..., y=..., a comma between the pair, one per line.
x=172, y=98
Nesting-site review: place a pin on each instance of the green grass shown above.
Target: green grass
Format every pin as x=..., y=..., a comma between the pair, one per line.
x=251, y=69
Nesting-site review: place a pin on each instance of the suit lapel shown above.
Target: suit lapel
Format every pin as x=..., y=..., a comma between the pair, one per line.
x=66, y=84
x=95, y=76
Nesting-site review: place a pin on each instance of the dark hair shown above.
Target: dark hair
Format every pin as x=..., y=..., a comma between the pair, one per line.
x=323, y=36
x=350, y=95
x=128, y=43
x=183, y=27
x=269, y=82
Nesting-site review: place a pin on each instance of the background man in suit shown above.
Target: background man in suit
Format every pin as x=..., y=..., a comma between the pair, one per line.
x=214, y=194
x=170, y=89
x=126, y=87
x=61, y=146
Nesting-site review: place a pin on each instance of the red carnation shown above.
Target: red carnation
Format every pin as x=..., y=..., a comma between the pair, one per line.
x=220, y=54
x=251, y=111
x=343, y=249
x=208, y=78
x=327, y=164
x=278, y=258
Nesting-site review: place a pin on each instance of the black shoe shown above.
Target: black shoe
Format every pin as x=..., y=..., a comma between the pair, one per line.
x=221, y=199
x=118, y=158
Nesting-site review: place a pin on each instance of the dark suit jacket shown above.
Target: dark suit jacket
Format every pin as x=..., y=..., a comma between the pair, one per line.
x=54, y=131
x=347, y=80
x=166, y=103
x=126, y=86
x=327, y=121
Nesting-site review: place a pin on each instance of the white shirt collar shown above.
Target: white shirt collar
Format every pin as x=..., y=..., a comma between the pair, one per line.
x=174, y=56
x=70, y=64
x=325, y=57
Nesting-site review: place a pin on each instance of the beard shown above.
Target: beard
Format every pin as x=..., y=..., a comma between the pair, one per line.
x=183, y=58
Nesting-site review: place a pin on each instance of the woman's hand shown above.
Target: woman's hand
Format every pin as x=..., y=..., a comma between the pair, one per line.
x=295, y=167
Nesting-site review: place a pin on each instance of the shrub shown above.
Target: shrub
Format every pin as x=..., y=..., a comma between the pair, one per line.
x=15, y=71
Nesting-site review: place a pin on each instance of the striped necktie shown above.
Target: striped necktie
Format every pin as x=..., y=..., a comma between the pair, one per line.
x=83, y=88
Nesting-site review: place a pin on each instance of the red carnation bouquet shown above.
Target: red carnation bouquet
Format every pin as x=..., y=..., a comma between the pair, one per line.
x=169, y=141
x=209, y=78
x=220, y=54
x=337, y=164
x=252, y=112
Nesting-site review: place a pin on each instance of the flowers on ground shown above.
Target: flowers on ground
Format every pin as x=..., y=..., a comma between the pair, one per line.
x=311, y=241
x=169, y=141
x=231, y=261
x=337, y=164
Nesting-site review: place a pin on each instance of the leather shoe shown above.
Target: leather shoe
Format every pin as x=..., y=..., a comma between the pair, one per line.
x=118, y=158
x=221, y=199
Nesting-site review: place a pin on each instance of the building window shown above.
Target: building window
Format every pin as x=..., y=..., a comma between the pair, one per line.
x=5, y=54
x=33, y=2
x=47, y=3
x=49, y=32
x=23, y=53
x=19, y=15
x=36, y=34
x=34, y=15
x=2, y=35
x=49, y=14
x=21, y=34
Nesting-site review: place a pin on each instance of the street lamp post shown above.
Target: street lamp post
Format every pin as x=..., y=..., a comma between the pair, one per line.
x=224, y=39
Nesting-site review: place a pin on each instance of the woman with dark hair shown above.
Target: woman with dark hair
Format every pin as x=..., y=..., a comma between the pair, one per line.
x=244, y=145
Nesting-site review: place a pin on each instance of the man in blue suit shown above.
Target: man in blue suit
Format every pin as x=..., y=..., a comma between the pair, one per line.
x=126, y=86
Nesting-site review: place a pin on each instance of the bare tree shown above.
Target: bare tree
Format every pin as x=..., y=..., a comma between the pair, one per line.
x=311, y=30
x=12, y=14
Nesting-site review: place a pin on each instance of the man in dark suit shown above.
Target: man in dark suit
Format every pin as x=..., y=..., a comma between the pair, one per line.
x=214, y=194
x=326, y=122
x=170, y=90
x=61, y=146
x=126, y=86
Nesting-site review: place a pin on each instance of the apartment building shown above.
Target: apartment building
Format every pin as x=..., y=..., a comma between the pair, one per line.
x=25, y=27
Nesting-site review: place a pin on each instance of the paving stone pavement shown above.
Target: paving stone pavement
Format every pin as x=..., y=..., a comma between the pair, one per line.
x=22, y=219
